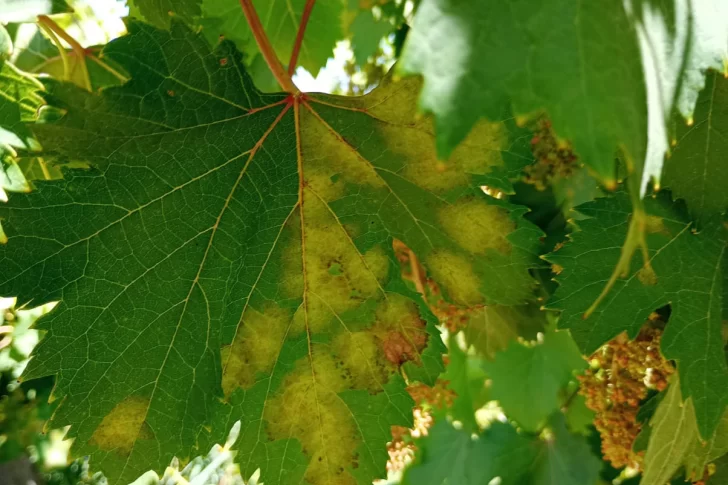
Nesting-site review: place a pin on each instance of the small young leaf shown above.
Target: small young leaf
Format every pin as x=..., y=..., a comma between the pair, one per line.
x=281, y=20
x=491, y=328
x=527, y=378
x=19, y=102
x=366, y=33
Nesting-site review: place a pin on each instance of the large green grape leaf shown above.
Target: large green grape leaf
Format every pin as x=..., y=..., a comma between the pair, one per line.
x=228, y=257
x=541, y=370
x=452, y=456
x=697, y=171
x=578, y=60
x=686, y=274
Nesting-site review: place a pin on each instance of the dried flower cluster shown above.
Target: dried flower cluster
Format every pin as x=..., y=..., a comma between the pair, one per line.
x=553, y=157
x=621, y=373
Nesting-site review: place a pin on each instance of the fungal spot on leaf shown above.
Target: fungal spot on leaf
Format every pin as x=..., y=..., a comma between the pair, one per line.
x=223, y=61
x=170, y=93
x=255, y=347
x=123, y=426
x=455, y=274
x=400, y=330
x=307, y=407
x=477, y=226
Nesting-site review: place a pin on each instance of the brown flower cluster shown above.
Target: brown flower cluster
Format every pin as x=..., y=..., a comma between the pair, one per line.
x=620, y=375
x=553, y=158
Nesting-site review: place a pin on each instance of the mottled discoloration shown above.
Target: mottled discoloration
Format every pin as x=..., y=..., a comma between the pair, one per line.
x=123, y=426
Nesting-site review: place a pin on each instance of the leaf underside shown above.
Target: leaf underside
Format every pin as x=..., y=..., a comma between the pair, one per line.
x=228, y=256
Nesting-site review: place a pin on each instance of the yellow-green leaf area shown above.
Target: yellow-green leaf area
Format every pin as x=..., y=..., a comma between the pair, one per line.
x=228, y=256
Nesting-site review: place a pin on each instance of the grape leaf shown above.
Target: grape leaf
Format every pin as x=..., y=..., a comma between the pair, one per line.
x=671, y=437
x=228, y=256
x=19, y=102
x=697, y=170
x=366, y=33
x=281, y=19
x=679, y=41
x=686, y=274
x=160, y=12
x=451, y=456
x=490, y=329
x=702, y=453
x=541, y=371
x=475, y=56
x=708, y=44
x=468, y=383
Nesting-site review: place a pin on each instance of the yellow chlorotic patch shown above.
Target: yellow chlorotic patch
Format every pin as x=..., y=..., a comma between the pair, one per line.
x=337, y=277
x=477, y=154
x=398, y=103
x=477, y=226
x=647, y=276
x=123, y=426
x=360, y=355
x=455, y=274
x=292, y=273
x=255, y=347
x=331, y=164
x=654, y=225
x=308, y=408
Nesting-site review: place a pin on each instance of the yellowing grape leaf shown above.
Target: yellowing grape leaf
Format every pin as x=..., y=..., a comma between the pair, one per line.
x=228, y=256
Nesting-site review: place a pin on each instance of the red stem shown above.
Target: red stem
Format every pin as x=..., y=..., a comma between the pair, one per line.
x=283, y=78
x=299, y=36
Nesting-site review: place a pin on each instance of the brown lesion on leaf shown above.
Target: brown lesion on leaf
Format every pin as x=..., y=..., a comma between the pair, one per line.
x=400, y=330
x=123, y=426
